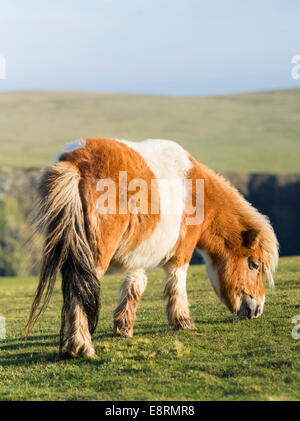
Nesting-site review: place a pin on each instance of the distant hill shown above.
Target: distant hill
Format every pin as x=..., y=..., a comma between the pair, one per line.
x=258, y=132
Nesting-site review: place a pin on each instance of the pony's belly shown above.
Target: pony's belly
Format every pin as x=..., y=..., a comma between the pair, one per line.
x=154, y=250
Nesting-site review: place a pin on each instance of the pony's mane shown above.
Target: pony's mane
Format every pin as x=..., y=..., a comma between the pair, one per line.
x=250, y=217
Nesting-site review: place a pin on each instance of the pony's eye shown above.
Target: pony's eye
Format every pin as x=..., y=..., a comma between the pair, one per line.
x=253, y=265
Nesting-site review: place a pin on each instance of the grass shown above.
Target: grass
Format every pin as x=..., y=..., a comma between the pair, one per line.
x=256, y=132
x=224, y=359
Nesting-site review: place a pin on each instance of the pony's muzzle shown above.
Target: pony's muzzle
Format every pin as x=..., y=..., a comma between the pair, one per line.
x=250, y=308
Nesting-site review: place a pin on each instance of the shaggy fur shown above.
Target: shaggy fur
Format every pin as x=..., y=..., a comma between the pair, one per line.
x=83, y=244
x=67, y=250
x=229, y=215
x=78, y=337
x=175, y=291
x=131, y=292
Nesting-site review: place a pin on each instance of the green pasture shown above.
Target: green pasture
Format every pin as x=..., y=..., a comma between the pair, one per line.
x=224, y=359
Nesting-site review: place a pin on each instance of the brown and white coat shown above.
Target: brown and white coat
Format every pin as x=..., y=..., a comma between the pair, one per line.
x=237, y=242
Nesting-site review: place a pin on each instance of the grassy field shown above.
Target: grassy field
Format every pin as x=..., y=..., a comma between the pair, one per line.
x=256, y=132
x=223, y=359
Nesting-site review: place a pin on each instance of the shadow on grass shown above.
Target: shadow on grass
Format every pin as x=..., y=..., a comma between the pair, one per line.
x=227, y=321
x=139, y=331
x=22, y=345
x=17, y=352
x=32, y=358
x=10, y=344
x=25, y=359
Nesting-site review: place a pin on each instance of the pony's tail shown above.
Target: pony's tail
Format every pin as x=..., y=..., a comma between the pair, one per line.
x=68, y=246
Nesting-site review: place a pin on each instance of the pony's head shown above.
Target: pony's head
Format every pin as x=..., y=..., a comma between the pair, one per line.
x=237, y=273
x=241, y=283
x=238, y=244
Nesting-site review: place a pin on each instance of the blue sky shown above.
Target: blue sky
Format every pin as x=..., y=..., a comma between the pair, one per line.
x=170, y=47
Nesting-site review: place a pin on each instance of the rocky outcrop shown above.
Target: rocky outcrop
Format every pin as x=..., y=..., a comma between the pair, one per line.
x=18, y=256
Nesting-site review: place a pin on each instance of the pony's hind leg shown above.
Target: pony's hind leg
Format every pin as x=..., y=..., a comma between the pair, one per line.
x=175, y=291
x=78, y=337
x=80, y=288
x=131, y=291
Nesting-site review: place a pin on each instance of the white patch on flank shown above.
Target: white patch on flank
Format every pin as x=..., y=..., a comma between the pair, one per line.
x=70, y=147
x=168, y=161
x=212, y=273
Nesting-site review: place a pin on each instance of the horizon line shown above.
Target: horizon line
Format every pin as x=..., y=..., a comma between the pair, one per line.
x=83, y=91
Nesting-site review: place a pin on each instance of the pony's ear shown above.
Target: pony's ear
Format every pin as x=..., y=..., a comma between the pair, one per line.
x=250, y=237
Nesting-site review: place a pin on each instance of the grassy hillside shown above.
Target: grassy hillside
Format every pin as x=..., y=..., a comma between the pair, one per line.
x=257, y=132
x=223, y=359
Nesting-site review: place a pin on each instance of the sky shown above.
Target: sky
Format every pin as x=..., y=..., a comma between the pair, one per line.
x=160, y=47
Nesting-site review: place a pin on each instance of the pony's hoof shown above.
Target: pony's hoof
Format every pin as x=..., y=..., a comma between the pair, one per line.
x=185, y=324
x=83, y=351
x=123, y=331
x=88, y=353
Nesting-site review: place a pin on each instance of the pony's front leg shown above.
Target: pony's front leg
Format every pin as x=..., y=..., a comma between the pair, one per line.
x=131, y=291
x=175, y=291
x=78, y=337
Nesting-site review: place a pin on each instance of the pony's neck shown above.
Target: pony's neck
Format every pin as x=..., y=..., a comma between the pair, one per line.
x=227, y=214
x=224, y=219
x=222, y=226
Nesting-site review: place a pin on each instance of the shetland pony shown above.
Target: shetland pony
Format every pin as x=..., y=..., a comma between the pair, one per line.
x=82, y=242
